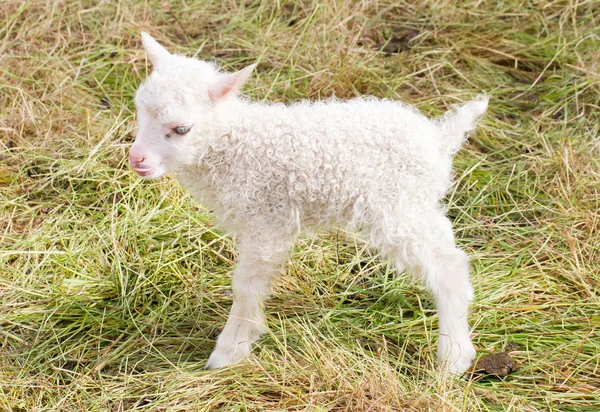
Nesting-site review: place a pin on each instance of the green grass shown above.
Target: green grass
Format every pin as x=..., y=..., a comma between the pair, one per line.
x=112, y=290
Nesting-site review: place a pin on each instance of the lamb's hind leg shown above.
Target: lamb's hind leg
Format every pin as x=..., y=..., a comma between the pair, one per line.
x=445, y=271
x=447, y=276
x=258, y=265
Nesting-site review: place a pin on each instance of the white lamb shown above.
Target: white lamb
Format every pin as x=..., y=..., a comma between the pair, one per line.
x=270, y=171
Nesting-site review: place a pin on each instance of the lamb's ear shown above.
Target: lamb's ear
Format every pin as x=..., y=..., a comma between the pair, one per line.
x=155, y=51
x=229, y=84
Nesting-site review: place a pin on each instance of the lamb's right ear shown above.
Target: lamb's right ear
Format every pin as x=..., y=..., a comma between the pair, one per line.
x=155, y=51
x=229, y=84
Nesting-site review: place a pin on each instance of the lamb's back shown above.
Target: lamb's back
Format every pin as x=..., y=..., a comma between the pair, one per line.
x=317, y=163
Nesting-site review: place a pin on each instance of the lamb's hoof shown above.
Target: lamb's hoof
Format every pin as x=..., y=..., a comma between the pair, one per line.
x=221, y=358
x=457, y=365
x=460, y=366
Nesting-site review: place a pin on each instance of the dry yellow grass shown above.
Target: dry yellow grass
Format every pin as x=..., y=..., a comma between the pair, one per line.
x=112, y=290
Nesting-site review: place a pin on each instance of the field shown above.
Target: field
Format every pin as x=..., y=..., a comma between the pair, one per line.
x=113, y=290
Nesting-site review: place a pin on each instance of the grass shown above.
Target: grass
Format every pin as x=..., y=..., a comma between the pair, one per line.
x=112, y=290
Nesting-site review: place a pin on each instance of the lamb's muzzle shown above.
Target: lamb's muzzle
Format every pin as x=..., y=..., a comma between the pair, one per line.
x=270, y=171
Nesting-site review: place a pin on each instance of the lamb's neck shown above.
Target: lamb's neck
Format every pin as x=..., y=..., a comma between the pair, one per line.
x=217, y=132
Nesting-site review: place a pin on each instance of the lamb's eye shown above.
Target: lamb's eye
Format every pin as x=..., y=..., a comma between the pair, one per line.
x=181, y=130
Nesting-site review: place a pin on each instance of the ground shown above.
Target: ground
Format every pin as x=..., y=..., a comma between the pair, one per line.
x=112, y=290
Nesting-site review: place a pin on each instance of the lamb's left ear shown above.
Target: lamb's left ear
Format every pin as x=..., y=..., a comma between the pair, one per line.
x=229, y=84
x=155, y=51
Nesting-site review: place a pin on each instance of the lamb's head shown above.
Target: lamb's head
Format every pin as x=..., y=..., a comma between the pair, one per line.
x=175, y=105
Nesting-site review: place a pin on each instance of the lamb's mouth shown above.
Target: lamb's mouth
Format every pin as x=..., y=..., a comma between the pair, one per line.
x=143, y=172
x=147, y=172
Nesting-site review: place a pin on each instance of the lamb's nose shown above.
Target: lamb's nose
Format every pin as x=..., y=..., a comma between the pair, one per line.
x=136, y=160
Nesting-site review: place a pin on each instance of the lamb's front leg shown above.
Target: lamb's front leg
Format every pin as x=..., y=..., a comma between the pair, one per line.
x=258, y=265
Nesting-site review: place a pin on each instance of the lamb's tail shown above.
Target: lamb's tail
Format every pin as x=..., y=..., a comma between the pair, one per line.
x=457, y=123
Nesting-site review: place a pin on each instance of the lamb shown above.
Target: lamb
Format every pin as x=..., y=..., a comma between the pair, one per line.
x=270, y=171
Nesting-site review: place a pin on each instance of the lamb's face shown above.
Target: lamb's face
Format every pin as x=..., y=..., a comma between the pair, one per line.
x=173, y=106
x=170, y=117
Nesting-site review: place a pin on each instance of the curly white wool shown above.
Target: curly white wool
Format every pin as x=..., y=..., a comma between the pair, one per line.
x=270, y=171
